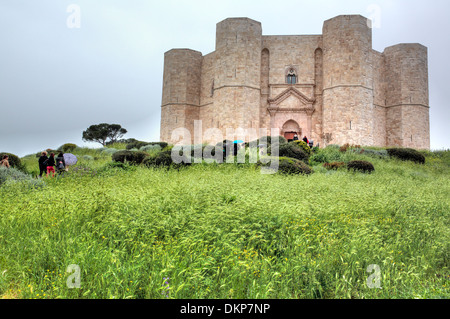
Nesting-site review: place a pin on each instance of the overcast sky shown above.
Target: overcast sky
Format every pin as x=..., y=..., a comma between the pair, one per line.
x=57, y=79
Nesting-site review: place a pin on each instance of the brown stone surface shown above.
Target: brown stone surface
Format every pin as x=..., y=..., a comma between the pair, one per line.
x=345, y=92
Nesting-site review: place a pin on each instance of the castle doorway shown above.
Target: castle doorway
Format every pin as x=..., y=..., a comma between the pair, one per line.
x=290, y=129
x=290, y=136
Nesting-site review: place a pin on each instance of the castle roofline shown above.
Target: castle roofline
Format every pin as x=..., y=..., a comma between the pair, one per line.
x=182, y=49
x=403, y=45
x=239, y=18
x=346, y=16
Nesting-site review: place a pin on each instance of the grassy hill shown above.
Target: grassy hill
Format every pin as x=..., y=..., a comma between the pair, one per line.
x=228, y=231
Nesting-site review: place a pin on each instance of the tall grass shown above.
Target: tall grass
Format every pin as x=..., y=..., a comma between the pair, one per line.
x=228, y=231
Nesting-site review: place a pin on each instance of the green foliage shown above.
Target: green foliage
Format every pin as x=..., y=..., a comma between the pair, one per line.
x=140, y=144
x=13, y=175
x=381, y=153
x=291, y=150
x=362, y=166
x=133, y=157
x=229, y=232
x=334, y=165
x=327, y=155
x=293, y=166
x=151, y=148
x=14, y=161
x=269, y=140
x=113, y=167
x=109, y=151
x=88, y=158
x=163, y=158
x=102, y=132
x=407, y=154
x=67, y=148
x=302, y=145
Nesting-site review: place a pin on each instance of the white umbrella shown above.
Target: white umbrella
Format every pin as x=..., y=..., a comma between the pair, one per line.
x=70, y=159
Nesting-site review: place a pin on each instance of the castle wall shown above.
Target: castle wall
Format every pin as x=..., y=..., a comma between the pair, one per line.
x=238, y=71
x=181, y=91
x=379, y=99
x=348, y=82
x=407, y=94
x=291, y=50
x=317, y=116
x=359, y=96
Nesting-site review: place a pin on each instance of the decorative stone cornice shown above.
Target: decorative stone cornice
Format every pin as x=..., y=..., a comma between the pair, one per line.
x=274, y=103
x=287, y=93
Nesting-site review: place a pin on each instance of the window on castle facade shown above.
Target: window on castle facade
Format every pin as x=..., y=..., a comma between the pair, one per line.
x=291, y=77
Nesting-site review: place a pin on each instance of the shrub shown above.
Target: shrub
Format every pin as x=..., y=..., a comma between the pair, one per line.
x=14, y=162
x=407, y=154
x=334, y=165
x=124, y=140
x=347, y=146
x=164, y=159
x=132, y=157
x=293, y=166
x=362, y=166
x=138, y=144
x=290, y=150
x=302, y=144
x=12, y=175
x=88, y=158
x=151, y=148
x=67, y=148
x=287, y=165
x=109, y=151
x=327, y=155
x=209, y=152
x=269, y=140
x=370, y=152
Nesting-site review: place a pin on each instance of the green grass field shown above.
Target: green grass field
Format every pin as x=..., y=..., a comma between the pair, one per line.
x=228, y=231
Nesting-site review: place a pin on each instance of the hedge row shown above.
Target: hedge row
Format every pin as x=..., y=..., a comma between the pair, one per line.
x=406, y=154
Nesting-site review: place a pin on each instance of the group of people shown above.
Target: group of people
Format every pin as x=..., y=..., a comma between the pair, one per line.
x=310, y=143
x=47, y=164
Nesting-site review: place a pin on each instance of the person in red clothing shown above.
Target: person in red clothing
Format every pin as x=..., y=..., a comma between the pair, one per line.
x=50, y=163
x=305, y=139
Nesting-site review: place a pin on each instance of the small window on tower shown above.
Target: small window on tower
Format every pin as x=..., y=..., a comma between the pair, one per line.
x=291, y=77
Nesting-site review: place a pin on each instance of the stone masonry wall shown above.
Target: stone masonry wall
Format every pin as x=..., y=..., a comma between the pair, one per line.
x=344, y=88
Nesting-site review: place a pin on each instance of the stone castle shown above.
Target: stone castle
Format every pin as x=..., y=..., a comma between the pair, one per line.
x=333, y=88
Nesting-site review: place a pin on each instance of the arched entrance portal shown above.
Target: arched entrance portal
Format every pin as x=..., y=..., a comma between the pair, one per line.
x=290, y=129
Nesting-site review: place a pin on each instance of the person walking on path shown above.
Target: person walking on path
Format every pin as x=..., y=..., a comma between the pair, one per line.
x=305, y=139
x=42, y=163
x=60, y=163
x=5, y=162
x=51, y=164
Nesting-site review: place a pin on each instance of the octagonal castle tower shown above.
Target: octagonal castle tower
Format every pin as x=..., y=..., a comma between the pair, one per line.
x=333, y=88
